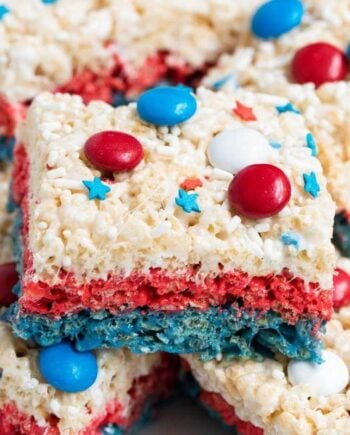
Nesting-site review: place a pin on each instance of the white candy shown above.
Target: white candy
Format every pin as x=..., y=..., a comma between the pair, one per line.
x=330, y=377
x=233, y=150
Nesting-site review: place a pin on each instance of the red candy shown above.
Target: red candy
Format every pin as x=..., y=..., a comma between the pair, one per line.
x=341, y=289
x=113, y=151
x=259, y=191
x=8, y=278
x=319, y=63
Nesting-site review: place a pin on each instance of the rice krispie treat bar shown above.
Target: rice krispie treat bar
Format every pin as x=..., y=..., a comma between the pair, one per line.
x=283, y=397
x=299, y=66
x=106, y=50
x=133, y=233
x=103, y=393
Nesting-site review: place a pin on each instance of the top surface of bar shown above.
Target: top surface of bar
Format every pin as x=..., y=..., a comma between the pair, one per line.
x=139, y=226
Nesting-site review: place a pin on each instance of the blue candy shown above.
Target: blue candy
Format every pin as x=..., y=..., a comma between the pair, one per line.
x=67, y=369
x=276, y=17
x=167, y=105
x=4, y=10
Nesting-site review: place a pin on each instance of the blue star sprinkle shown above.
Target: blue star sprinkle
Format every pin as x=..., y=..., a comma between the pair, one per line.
x=4, y=10
x=274, y=144
x=310, y=143
x=187, y=201
x=49, y=2
x=290, y=239
x=311, y=185
x=97, y=190
x=230, y=78
x=287, y=108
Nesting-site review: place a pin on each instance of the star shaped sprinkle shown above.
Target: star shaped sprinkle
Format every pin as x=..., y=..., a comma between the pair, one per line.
x=290, y=239
x=287, y=108
x=310, y=143
x=274, y=144
x=187, y=201
x=244, y=112
x=49, y=2
x=97, y=190
x=230, y=78
x=191, y=183
x=4, y=10
x=311, y=185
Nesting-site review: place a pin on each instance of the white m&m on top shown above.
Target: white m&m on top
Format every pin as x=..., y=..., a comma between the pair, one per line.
x=233, y=150
x=330, y=377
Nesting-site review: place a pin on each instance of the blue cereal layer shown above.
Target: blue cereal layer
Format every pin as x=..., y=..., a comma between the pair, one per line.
x=226, y=330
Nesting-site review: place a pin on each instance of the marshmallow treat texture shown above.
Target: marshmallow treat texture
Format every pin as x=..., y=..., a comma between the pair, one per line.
x=285, y=396
x=31, y=404
x=175, y=202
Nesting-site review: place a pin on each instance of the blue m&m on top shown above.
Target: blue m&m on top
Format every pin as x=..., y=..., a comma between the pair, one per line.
x=4, y=10
x=167, y=105
x=66, y=369
x=277, y=17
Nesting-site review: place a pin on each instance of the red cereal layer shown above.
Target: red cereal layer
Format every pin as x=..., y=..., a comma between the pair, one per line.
x=227, y=413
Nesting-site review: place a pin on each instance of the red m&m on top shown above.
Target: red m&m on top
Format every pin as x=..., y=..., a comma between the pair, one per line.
x=319, y=63
x=113, y=151
x=341, y=288
x=259, y=191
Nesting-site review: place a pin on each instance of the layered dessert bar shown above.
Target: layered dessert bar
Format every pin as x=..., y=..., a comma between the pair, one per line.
x=285, y=396
x=199, y=237
x=105, y=50
x=309, y=67
x=123, y=392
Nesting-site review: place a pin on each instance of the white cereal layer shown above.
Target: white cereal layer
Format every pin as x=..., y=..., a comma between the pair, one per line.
x=139, y=226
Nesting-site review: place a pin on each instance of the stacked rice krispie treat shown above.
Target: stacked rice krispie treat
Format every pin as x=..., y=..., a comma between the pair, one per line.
x=108, y=50
x=36, y=398
x=136, y=228
x=307, y=66
x=58, y=390
x=193, y=222
x=284, y=396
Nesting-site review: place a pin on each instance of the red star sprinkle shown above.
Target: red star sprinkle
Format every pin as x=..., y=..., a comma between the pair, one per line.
x=244, y=112
x=191, y=183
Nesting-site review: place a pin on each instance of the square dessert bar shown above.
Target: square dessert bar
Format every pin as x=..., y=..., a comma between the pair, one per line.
x=309, y=67
x=105, y=50
x=199, y=237
x=280, y=397
x=122, y=395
